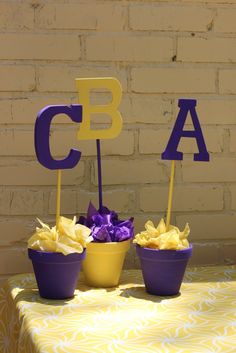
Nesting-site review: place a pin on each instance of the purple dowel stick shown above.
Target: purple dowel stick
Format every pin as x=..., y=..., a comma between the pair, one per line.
x=99, y=173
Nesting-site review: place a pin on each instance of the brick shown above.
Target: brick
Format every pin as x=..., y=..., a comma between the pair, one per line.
x=88, y=16
x=110, y=17
x=232, y=140
x=141, y=219
x=217, y=170
x=16, y=16
x=210, y=1
x=83, y=199
x=206, y=50
x=133, y=109
x=205, y=254
x=3, y=280
x=6, y=116
x=129, y=263
x=5, y=111
x=155, y=141
x=122, y=145
x=17, y=78
x=21, y=143
x=227, y=81
x=68, y=202
x=5, y=198
x=170, y=18
x=185, y=198
x=131, y=172
x=210, y=227
x=129, y=48
x=232, y=189
x=120, y=200
x=32, y=173
x=14, y=261
x=98, y=97
x=27, y=202
x=54, y=78
x=17, y=142
x=40, y=46
x=15, y=231
x=220, y=112
x=173, y=80
x=139, y=108
x=61, y=141
x=25, y=110
x=137, y=264
x=225, y=20
x=228, y=253
x=214, y=139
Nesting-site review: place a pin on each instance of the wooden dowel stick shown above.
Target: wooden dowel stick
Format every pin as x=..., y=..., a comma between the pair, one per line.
x=99, y=163
x=58, y=204
x=170, y=195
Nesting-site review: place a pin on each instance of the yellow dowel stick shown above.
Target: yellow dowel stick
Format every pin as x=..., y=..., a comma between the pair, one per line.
x=58, y=206
x=170, y=196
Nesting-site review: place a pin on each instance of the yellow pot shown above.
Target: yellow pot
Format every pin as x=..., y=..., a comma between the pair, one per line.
x=103, y=263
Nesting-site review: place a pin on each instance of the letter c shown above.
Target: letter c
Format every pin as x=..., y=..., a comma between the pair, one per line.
x=42, y=131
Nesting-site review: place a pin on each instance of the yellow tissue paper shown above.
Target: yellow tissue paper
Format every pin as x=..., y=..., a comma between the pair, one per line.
x=159, y=238
x=68, y=238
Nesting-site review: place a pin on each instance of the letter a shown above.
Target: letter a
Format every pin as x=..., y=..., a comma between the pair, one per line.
x=84, y=86
x=171, y=153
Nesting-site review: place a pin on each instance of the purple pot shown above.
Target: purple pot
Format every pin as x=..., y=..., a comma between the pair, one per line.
x=56, y=274
x=163, y=270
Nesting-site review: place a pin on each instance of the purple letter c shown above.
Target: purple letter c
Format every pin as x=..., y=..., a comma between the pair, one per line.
x=42, y=131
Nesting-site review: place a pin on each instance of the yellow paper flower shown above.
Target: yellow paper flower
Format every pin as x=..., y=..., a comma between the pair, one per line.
x=68, y=238
x=159, y=238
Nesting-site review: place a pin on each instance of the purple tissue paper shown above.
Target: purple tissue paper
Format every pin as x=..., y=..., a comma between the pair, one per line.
x=105, y=225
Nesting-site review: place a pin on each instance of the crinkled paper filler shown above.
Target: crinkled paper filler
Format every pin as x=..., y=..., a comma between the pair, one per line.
x=68, y=238
x=159, y=238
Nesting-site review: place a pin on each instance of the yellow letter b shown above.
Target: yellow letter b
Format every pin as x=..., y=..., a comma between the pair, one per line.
x=84, y=86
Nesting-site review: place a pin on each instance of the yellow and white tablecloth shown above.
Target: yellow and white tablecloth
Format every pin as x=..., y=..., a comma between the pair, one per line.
x=124, y=319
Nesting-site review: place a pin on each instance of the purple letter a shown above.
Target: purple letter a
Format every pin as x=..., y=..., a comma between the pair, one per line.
x=171, y=153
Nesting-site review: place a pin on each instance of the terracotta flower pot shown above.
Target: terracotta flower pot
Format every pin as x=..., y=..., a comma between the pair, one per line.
x=163, y=270
x=56, y=274
x=103, y=264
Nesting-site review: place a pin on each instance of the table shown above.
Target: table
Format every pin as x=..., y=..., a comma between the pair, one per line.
x=124, y=319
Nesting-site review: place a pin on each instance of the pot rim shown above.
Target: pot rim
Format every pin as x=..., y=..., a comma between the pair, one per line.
x=109, y=247
x=110, y=242
x=55, y=257
x=166, y=250
x=163, y=255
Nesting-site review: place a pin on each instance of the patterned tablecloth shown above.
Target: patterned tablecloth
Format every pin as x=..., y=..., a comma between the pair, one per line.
x=124, y=319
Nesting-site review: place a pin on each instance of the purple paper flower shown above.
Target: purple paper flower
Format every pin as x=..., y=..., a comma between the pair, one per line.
x=105, y=225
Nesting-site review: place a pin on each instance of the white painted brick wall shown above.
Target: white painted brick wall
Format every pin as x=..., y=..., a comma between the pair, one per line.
x=160, y=51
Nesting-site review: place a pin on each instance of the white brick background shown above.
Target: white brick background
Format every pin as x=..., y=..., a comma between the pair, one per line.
x=160, y=51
